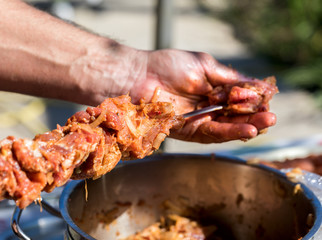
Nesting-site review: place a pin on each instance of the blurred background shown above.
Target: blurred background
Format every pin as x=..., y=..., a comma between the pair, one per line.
x=258, y=38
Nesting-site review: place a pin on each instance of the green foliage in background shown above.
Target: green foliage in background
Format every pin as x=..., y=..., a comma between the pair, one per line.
x=289, y=32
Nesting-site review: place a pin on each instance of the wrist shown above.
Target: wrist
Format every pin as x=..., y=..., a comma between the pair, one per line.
x=109, y=69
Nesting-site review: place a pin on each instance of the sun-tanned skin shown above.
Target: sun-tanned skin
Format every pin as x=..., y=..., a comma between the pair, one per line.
x=44, y=56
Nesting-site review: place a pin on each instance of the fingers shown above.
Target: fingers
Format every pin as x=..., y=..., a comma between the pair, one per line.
x=236, y=128
x=260, y=120
x=204, y=130
x=218, y=73
x=217, y=132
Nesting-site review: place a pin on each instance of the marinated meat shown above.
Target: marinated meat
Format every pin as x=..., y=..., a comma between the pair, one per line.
x=90, y=144
x=311, y=163
x=174, y=227
x=180, y=221
x=244, y=97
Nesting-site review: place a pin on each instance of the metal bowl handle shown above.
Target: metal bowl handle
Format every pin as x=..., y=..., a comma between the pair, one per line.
x=15, y=224
x=50, y=209
x=16, y=219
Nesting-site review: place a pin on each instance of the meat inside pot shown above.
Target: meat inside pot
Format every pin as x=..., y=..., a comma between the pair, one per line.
x=178, y=221
x=175, y=227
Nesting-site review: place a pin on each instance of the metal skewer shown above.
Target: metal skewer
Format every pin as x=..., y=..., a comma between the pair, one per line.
x=202, y=111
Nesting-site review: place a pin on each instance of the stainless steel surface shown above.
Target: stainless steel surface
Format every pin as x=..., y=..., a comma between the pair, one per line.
x=245, y=201
x=48, y=228
x=15, y=221
x=15, y=225
x=202, y=111
x=33, y=222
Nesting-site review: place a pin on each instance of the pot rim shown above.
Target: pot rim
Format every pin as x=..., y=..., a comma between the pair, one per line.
x=316, y=204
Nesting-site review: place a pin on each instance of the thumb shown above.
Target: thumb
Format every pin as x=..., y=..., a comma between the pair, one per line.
x=219, y=74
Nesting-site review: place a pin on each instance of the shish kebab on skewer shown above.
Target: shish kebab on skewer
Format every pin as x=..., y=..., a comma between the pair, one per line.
x=93, y=141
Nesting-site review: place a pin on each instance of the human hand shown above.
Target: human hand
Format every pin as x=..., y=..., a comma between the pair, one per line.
x=184, y=78
x=82, y=67
x=181, y=77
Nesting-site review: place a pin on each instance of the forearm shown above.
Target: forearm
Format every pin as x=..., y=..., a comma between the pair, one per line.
x=43, y=56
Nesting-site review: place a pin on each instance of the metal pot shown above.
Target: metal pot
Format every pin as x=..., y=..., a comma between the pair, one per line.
x=244, y=201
